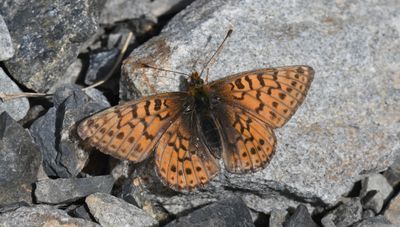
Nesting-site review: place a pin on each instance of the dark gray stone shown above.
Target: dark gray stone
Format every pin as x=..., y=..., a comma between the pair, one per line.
x=6, y=47
x=347, y=213
x=300, y=218
x=47, y=36
x=54, y=132
x=20, y=159
x=111, y=211
x=82, y=212
x=228, y=212
x=100, y=64
x=68, y=190
x=16, y=108
x=41, y=215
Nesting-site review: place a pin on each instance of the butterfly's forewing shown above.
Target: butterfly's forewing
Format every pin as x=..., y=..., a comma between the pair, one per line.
x=131, y=130
x=273, y=94
x=256, y=102
x=183, y=161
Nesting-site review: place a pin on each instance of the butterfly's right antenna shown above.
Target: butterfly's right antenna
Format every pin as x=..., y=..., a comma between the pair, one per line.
x=144, y=65
x=214, y=56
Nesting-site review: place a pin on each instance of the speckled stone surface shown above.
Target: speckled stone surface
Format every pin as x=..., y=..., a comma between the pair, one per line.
x=47, y=36
x=348, y=125
x=16, y=108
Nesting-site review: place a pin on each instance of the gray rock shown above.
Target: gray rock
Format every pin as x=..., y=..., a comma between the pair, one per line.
x=82, y=212
x=33, y=113
x=70, y=76
x=98, y=97
x=12, y=206
x=41, y=215
x=392, y=213
x=6, y=47
x=300, y=218
x=71, y=189
x=55, y=132
x=118, y=10
x=374, y=190
x=378, y=221
x=393, y=173
x=20, y=159
x=277, y=218
x=100, y=64
x=228, y=212
x=111, y=211
x=331, y=141
x=16, y=108
x=347, y=213
x=47, y=37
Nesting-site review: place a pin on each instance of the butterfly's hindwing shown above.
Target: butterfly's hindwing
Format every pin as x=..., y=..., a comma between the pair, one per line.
x=183, y=160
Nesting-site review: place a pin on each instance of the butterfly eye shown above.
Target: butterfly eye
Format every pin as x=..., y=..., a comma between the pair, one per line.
x=188, y=108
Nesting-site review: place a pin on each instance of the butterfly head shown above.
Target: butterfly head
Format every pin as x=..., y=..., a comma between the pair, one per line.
x=194, y=80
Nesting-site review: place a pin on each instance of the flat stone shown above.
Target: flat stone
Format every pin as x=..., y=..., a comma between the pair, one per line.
x=71, y=189
x=300, y=218
x=6, y=47
x=378, y=221
x=43, y=51
x=16, y=108
x=111, y=211
x=228, y=212
x=118, y=10
x=331, y=141
x=41, y=215
x=392, y=213
x=20, y=159
x=347, y=213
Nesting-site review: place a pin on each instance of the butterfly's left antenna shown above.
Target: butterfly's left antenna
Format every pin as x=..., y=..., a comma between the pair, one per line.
x=214, y=56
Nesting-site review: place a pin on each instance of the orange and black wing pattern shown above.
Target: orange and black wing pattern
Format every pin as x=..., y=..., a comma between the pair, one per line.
x=131, y=130
x=183, y=161
x=256, y=102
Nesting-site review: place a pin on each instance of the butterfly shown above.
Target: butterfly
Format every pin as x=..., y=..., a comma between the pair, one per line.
x=230, y=119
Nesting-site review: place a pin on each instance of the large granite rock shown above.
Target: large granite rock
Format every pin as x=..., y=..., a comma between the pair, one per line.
x=47, y=36
x=348, y=125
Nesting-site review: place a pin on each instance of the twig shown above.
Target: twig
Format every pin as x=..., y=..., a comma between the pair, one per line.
x=119, y=59
x=7, y=97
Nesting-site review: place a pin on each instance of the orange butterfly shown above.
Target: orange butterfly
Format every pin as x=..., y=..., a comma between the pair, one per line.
x=231, y=118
